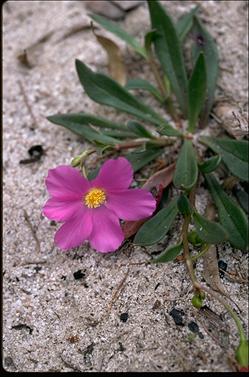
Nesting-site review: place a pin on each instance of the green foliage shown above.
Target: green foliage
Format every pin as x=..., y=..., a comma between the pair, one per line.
x=169, y=254
x=144, y=85
x=155, y=229
x=196, y=92
x=186, y=172
x=185, y=23
x=169, y=52
x=232, y=217
x=119, y=32
x=234, y=153
x=209, y=231
x=210, y=164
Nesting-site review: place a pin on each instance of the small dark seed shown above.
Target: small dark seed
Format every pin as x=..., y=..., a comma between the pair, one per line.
x=124, y=317
x=193, y=327
x=176, y=314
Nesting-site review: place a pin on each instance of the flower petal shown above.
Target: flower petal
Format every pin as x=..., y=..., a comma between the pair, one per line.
x=75, y=231
x=132, y=204
x=107, y=234
x=114, y=174
x=66, y=182
x=61, y=210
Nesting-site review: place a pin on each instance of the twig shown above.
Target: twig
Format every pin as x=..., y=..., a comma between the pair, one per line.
x=27, y=102
x=38, y=247
x=137, y=142
x=117, y=292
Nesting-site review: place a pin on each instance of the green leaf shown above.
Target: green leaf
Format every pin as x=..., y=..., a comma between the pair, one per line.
x=243, y=199
x=140, y=159
x=80, y=125
x=204, y=42
x=197, y=89
x=169, y=254
x=102, y=89
x=209, y=231
x=234, y=153
x=186, y=172
x=168, y=51
x=231, y=216
x=155, y=229
x=210, y=164
x=184, y=205
x=139, y=129
x=121, y=33
x=185, y=23
x=144, y=85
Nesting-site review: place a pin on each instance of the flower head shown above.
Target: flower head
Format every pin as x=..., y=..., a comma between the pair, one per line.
x=90, y=210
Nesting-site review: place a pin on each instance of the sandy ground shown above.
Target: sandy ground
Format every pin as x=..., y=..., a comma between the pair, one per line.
x=62, y=311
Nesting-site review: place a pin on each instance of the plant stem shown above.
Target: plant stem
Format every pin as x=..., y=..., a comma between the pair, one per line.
x=201, y=253
x=137, y=142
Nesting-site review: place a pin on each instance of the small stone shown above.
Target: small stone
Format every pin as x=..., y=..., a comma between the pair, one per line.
x=124, y=317
x=78, y=275
x=193, y=327
x=176, y=314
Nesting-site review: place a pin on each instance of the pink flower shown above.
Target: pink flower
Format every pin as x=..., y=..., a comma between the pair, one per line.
x=91, y=210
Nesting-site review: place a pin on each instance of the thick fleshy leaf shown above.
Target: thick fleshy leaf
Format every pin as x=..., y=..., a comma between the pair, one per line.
x=243, y=199
x=185, y=23
x=197, y=89
x=80, y=125
x=157, y=227
x=106, y=235
x=75, y=231
x=102, y=89
x=119, y=32
x=209, y=231
x=168, y=50
x=210, y=164
x=204, y=42
x=234, y=153
x=144, y=85
x=186, y=172
x=139, y=129
x=140, y=159
x=169, y=254
x=231, y=216
x=131, y=204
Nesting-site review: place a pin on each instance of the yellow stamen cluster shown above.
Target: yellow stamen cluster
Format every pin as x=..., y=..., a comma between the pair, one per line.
x=95, y=198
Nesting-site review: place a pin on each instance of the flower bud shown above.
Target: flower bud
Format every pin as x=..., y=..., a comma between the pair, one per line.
x=194, y=239
x=242, y=353
x=197, y=300
x=76, y=161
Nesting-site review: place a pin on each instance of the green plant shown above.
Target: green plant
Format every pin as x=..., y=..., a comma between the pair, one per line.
x=185, y=96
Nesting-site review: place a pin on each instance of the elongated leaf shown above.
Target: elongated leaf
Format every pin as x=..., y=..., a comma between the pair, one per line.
x=79, y=124
x=209, y=231
x=104, y=90
x=139, y=129
x=121, y=33
x=157, y=227
x=116, y=67
x=185, y=23
x=186, y=167
x=204, y=42
x=144, y=85
x=169, y=254
x=243, y=199
x=140, y=159
x=169, y=53
x=197, y=89
x=234, y=153
x=210, y=164
x=119, y=134
x=231, y=216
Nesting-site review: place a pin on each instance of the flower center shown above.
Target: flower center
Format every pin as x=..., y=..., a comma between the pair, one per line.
x=95, y=198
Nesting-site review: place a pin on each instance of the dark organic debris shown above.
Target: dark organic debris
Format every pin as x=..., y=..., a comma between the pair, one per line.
x=177, y=314
x=35, y=152
x=124, y=317
x=87, y=353
x=78, y=275
x=121, y=347
x=22, y=326
x=193, y=327
x=157, y=305
x=222, y=267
